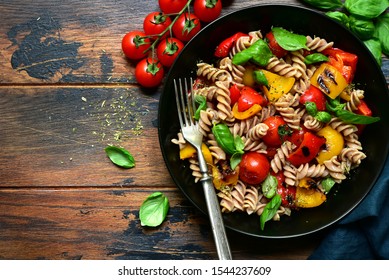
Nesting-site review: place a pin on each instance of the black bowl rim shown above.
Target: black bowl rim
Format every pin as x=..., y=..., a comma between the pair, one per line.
x=161, y=140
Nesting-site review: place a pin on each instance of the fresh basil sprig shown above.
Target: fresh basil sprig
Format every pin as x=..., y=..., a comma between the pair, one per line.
x=289, y=41
x=327, y=184
x=315, y=58
x=382, y=31
x=367, y=19
x=154, y=209
x=312, y=110
x=258, y=53
x=231, y=145
x=337, y=108
x=202, y=105
x=269, y=186
x=120, y=156
x=270, y=210
x=366, y=8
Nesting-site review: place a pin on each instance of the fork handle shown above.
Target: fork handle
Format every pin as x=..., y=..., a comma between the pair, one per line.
x=215, y=215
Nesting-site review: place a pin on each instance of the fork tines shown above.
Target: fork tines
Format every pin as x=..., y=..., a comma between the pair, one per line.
x=185, y=101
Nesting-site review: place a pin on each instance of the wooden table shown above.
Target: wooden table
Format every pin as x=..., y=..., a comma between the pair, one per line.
x=66, y=93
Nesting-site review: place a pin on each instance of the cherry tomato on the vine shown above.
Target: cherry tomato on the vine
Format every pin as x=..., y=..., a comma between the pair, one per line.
x=207, y=10
x=168, y=49
x=134, y=44
x=186, y=26
x=149, y=72
x=171, y=6
x=155, y=23
x=254, y=168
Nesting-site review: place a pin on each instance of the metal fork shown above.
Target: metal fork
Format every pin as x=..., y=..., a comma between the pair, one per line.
x=190, y=131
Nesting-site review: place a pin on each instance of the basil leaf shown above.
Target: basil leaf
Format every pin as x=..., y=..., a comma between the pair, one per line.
x=340, y=17
x=327, y=184
x=259, y=53
x=224, y=138
x=120, y=156
x=315, y=58
x=350, y=117
x=239, y=144
x=289, y=41
x=270, y=210
x=334, y=105
x=382, y=31
x=202, y=101
x=366, y=8
x=235, y=159
x=323, y=116
x=260, y=78
x=154, y=209
x=311, y=108
x=325, y=4
x=269, y=186
x=374, y=46
x=363, y=28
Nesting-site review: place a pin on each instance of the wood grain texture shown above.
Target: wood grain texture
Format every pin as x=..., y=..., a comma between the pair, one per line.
x=66, y=92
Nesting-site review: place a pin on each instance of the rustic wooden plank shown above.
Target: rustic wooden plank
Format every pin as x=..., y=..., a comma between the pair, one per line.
x=104, y=224
x=56, y=137
x=60, y=41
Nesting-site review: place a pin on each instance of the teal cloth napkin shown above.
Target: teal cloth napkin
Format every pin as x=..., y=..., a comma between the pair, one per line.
x=364, y=233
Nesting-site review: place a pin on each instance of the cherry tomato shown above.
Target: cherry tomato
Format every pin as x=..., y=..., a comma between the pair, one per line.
x=224, y=48
x=297, y=136
x=155, y=23
x=168, y=49
x=207, y=10
x=313, y=94
x=149, y=72
x=276, y=49
x=186, y=26
x=134, y=44
x=308, y=149
x=287, y=193
x=171, y=6
x=234, y=94
x=277, y=131
x=249, y=97
x=254, y=168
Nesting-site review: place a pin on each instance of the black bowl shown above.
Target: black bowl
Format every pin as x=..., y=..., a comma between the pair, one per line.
x=369, y=77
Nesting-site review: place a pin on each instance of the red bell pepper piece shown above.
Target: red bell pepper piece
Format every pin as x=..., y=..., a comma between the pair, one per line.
x=345, y=62
x=234, y=94
x=249, y=97
x=223, y=49
x=308, y=149
x=287, y=193
x=364, y=110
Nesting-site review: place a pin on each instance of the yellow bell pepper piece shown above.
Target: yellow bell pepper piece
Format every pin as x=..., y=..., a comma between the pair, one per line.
x=247, y=113
x=277, y=85
x=309, y=197
x=248, y=77
x=224, y=177
x=189, y=151
x=334, y=143
x=307, y=183
x=329, y=80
